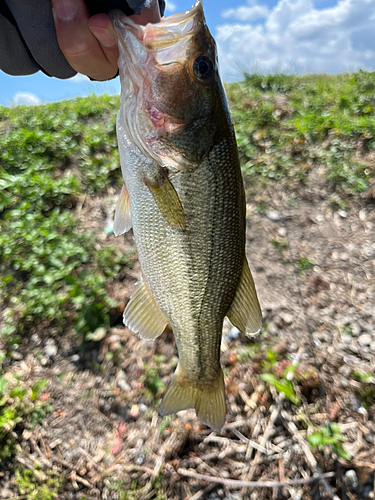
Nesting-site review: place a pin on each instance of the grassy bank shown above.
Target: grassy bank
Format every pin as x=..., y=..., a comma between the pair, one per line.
x=58, y=272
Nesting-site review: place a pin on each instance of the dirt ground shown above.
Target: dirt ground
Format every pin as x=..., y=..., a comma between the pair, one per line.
x=314, y=268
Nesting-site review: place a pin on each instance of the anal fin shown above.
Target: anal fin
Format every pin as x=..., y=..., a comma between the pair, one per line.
x=123, y=217
x=245, y=313
x=143, y=316
x=167, y=199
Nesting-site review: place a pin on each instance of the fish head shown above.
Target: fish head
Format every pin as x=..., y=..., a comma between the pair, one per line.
x=172, y=94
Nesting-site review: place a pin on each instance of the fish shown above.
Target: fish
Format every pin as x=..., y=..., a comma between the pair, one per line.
x=183, y=195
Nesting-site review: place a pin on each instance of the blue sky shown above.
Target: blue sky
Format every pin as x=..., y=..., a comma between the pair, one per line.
x=287, y=35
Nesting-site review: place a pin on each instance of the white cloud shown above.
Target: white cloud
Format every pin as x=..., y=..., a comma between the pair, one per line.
x=170, y=7
x=26, y=98
x=297, y=35
x=247, y=13
x=78, y=78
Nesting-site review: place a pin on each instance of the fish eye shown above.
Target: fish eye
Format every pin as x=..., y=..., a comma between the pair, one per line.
x=203, y=67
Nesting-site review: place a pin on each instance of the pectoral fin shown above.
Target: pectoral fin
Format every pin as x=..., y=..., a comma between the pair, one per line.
x=123, y=216
x=167, y=199
x=143, y=316
x=245, y=313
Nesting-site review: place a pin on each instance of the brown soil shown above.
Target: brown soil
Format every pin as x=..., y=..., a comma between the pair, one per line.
x=105, y=433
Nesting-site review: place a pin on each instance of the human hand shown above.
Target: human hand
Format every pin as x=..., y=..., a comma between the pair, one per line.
x=89, y=44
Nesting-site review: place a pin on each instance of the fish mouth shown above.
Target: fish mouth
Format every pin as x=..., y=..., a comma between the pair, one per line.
x=167, y=32
x=173, y=29
x=163, y=45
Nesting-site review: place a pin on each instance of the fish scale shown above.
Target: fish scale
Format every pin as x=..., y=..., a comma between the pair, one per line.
x=183, y=193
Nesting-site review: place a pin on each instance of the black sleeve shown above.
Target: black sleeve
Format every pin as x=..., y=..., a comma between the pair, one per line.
x=28, y=40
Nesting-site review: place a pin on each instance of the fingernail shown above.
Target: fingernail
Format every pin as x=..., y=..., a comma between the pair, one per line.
x=104, y=36
x=65, y=9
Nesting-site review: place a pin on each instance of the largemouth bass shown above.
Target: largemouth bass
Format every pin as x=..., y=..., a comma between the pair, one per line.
x=183, y=195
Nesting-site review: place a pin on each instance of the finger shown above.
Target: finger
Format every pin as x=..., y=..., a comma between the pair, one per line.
x=150, y=15
x=79, y=46
x=102, y=28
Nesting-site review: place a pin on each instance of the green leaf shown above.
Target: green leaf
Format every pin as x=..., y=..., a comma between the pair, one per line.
x=18, y=392
x=284, y=386
x=37, y=387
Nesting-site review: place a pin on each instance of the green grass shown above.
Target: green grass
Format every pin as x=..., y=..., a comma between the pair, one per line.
x=20, y=408
x=53, y=274
x=286, y=125
x=37, y=485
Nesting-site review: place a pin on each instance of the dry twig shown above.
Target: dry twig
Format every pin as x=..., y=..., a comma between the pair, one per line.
x=308, y=454
x=270, y=426
x=252, y=484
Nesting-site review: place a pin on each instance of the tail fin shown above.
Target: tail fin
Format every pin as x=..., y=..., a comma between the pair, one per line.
x=208, y=400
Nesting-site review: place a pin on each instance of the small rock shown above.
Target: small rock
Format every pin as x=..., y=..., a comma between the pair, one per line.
x=345, y=370
x=345, y=320
x=340, y=347
x=354, y=348
x=123, y=385
x=356, y=330
x=351, y=479
x=344, y=383
x=50, y=348
x=365, y=339
x=287, y=318
x=272, y=328
x=369, y=251
x=17, y=356
x=317, y=343
x=344, y=256
x=347, y=338
x=362, y=214
x=372, y=347
x=369, y=437
x=44, y=361
x=322, y=336
x=269, y=306
x=273, y=215
x=282, y=231
x=362, y=411
x=142, y=407
x=351, y=359
x=75, y=358
x=134, y=411
x=342, y=213
x=366, y=327
x=278, y=439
